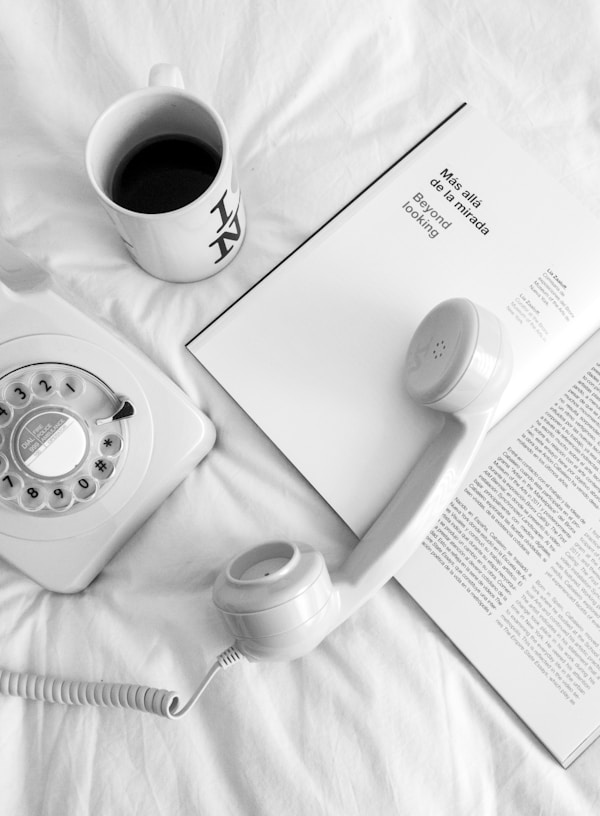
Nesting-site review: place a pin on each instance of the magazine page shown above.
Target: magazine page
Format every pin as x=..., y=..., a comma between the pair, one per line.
x=315, y=352
x=511, y=573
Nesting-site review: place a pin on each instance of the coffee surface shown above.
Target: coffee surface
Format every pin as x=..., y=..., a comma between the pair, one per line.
x=164, y=174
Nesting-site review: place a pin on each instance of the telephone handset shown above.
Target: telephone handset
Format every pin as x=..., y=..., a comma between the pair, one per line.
x=279, y=599
x=93, y=436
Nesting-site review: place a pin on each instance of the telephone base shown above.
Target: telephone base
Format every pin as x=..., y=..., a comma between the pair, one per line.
x=79, y=473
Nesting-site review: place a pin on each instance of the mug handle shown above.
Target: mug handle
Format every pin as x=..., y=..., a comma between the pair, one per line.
x=165, y=74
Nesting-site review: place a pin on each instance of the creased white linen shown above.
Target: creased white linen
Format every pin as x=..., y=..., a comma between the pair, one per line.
x=319, y=98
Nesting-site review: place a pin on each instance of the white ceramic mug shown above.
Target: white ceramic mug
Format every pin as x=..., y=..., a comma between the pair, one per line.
x=193, y=241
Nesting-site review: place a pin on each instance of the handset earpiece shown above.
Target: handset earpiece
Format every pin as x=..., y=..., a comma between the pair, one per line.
x=458, y=358
x=279, y=599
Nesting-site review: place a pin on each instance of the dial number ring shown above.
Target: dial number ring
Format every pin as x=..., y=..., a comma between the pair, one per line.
x=54, y=458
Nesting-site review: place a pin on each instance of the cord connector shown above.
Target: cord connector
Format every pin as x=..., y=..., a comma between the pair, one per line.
x=225, y=660
x=230, y=656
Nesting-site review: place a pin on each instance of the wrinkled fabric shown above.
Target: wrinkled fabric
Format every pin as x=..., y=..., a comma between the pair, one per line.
x=385, y=717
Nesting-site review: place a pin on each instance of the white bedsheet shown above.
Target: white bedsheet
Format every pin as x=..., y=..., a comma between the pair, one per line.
x=385, y=717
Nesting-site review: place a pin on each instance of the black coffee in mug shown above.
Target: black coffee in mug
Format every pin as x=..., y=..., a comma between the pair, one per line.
x=164, y=173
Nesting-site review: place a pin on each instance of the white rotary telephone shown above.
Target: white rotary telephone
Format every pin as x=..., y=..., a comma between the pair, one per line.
x=93, y=437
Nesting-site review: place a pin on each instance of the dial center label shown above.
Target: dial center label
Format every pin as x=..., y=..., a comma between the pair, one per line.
x=52, y=443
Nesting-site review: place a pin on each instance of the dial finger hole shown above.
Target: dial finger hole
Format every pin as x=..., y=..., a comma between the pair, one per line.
x=60, y=498
x=18, y=394
x=32, y=497
x=71, y=387
x=6, y=413
x=11, y=485
x=102, y=469
x=3, y=464
x=111, y=445
x=84, y=488
x=43, y=385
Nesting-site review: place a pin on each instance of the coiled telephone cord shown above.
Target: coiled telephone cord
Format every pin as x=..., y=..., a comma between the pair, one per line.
x=113, y=695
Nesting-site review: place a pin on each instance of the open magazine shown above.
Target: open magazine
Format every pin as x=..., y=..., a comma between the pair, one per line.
x=314, y=354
